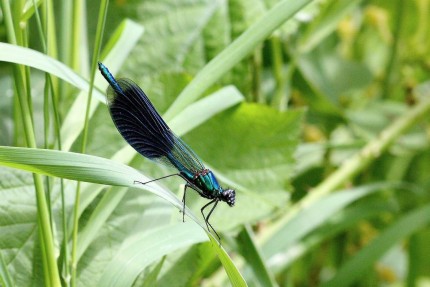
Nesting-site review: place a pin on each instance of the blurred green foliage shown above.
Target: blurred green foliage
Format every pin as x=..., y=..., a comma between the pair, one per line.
x=328, y=149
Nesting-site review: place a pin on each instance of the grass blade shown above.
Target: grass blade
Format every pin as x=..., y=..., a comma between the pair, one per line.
x=401, y=229
x=233, y=273
x=252, y=255
x=235, y=52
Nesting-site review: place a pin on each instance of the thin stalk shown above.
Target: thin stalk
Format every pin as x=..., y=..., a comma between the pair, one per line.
x=51, y=274
x=75, y=64
x=256, y=66
x=39, y=27
x=65, y=41
x=415, y=257
x=76, y=34
x=66, y=31
x=358, y=162
x=55, y=91
x=46, y=119
x=17, y=129
x=57, y=127
x=46, y=124
x=24, y=39
x=49, y=91
x=280, y=99
x=395, y=47
x=96, y=52
x=48, y=16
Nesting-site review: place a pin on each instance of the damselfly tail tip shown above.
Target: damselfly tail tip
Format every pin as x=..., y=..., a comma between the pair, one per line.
x=101, y=66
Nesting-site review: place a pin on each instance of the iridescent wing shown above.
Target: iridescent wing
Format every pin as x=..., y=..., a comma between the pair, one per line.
x=143, y=128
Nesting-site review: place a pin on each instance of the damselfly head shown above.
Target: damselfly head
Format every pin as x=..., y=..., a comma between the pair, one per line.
x=229, y=196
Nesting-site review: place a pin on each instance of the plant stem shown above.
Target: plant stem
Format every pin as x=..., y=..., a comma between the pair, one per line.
x=51, y=274
x=96, y=52
x=394, y=50
x=280, y=98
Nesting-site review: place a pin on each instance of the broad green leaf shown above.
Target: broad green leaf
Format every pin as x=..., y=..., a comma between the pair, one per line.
x=5, y=277
x=193, y=265
x=250, y=148
x=99, y=216
x=242, y=14
x=18, y=230
x=216, y=34
x=137, y=253
x=172, y=30
x=85, y=168
x=137, y=214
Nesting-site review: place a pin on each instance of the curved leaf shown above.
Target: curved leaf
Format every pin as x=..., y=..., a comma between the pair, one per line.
x=80, y=167
x=32, y=58
x=139, y=252
x=233, y=274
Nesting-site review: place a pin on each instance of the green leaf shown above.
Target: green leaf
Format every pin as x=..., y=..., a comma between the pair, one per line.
x=91, y=169
x=249, y=148
x=18, y=230
x=5, y=278
x=235, y=277
x=235, y=52
x=172, y=30
x=137, y=253
x=151, y=278
x=249, y=250
x=197, y=263
x=325, y=23
x=204, y=109
x=216, y=34
x=80, y=167
x=32, y=58
x=137, y=213
x=333, y=76
x=107, y=205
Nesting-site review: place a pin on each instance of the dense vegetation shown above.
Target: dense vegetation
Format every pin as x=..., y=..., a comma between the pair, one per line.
x=316, y=112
